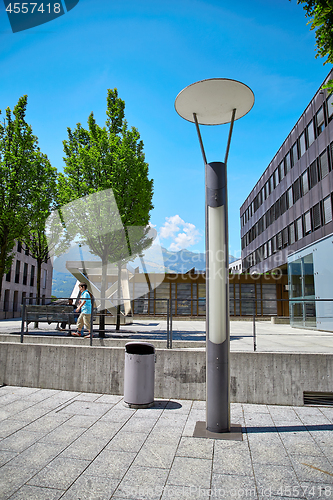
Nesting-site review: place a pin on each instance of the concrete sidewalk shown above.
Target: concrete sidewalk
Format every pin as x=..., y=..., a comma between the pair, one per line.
x=80, y=446
x=269, y=337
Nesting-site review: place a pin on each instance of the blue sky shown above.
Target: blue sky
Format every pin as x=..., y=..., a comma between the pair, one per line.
x=150, y=50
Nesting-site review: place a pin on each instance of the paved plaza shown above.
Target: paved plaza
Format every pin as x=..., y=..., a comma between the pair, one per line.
x=84, y=446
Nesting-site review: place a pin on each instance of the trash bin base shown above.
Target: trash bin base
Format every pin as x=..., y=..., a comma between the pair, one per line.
x=138, y=407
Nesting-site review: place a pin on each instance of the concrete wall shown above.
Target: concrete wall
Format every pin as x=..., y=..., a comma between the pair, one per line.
x=267, y=378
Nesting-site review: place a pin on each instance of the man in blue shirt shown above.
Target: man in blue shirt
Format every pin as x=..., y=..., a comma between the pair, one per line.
x=84, y=308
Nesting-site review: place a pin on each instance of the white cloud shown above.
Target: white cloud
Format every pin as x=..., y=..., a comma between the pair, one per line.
x=184, y=234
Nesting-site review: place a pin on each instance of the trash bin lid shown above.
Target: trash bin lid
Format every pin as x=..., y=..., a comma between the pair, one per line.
x=139, y=348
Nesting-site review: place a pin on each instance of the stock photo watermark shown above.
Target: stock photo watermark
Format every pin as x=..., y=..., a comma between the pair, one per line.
x=195, y=492
x=25, y=15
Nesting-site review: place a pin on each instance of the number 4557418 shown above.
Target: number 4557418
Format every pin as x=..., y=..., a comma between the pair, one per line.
x=30, y=8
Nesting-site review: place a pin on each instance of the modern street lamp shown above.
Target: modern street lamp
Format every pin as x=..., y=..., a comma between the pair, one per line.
x=214, y=102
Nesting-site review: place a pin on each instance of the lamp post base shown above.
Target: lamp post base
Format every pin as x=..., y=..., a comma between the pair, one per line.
x=235, y=433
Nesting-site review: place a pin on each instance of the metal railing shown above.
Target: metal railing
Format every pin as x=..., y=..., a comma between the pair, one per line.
x=306, y=320
x=36, y=310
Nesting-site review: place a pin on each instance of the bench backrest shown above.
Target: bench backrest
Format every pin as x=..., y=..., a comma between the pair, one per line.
x=49, y=313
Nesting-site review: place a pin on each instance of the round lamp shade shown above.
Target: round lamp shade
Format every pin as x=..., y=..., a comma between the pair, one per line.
x=213, y=101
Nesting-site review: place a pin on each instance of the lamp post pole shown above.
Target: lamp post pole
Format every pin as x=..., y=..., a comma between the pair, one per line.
x=216, y=101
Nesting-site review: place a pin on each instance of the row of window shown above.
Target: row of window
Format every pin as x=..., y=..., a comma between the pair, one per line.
x=19, y=248
x=16, y=305
x=307, y=180
x=25, y=274
x=25, y=278
x=307, y=137
x=319, y=215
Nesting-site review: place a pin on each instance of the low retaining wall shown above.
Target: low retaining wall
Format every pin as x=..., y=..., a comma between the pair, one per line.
x=255, y=377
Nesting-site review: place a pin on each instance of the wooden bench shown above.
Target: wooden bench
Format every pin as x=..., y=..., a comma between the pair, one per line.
x=48, y=314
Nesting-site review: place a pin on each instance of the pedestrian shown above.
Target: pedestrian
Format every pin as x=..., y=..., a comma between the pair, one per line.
x=84, y=308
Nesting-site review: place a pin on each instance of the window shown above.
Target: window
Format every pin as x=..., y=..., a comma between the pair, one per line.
x=287, y=163
x=276, y=177
x=26, y=250
x=269, y=245
x=263, y=194
x=283, y=203
x=32, y=276
x=307, y=222
x=305, y=182
x=271, y=183
x=320, y=122
x=292, y=234
x=260, y=225
x=302, y=145
x=19, y=246
x=294, y=154
x=17, y=271
x=297, y=189
x=281, y=170
x=330, y=107
x=285, y=239
x=316, y=216
x=267, y=189
x=310, y=133
x=279, y=240
x=25, y=273
x=267, y=219
x=265, y=251
x=289, y=198
x=327, y=205
x=15, y=302
x=313, y=174
x=6, y=301
x=8, y=275
x=323, y=165
x=299, y=230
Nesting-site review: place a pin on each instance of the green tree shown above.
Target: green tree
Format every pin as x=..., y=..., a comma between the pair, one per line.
x=102, y=158
x=320, y=14
x=21, y=170
x=41, y=205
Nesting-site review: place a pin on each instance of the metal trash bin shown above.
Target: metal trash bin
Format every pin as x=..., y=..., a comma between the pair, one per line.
x=139, y=375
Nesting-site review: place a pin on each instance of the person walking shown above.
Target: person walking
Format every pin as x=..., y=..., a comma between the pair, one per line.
x=84, y=308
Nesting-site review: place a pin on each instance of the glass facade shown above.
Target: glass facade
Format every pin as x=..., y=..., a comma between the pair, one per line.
x=302, y=288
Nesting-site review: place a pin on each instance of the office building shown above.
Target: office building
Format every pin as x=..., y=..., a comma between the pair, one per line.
x=21, y=282
x=290, y=211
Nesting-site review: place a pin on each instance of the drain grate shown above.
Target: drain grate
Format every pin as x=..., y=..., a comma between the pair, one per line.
x=318, y=398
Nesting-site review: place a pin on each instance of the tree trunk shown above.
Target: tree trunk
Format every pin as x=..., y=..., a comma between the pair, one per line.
x=101, y=332
x=118, y=293
x=39, y=275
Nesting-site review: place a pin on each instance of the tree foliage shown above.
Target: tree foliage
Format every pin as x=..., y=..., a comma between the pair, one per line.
x=320, y=14
x=24, y=182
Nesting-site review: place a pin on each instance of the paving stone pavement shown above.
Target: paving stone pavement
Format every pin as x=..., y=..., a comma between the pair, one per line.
x=83, y=446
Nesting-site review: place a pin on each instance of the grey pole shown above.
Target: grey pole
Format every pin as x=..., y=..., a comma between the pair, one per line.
x=217, y=294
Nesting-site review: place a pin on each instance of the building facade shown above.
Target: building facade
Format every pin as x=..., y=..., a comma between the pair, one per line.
x=286, y=221
x=290, y=207
x=21, y=282
x=262, y=295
